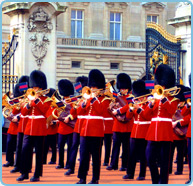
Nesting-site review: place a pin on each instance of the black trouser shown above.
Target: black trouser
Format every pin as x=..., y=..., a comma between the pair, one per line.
x=118, y=139
x=50, y=141
x=180, y=144
x=74, y=150
x=137, y=151
x=152, y=151
x=62, y=140
x=107, y=143
x=186, y=151
x=19, y=151
x=28, y=143
x=90, y=146
x=189, y=155
x=10, y=148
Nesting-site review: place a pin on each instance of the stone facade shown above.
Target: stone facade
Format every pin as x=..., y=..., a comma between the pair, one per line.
x=95, y=49
x=182, y=24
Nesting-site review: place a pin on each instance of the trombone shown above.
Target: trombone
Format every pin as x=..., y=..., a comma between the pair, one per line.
x=86, y=93
x=157, y=93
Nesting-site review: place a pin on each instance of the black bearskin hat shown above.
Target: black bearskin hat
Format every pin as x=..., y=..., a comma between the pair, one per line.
x=53, y=91
x=16, y=91
x=165, y=76
x=139, y=88
x=123, y=81
x=37, y=79
x=190, y=80
x=65, y=87
x=180, y=95
x=96, y=79
x=23, y=79
x=83, y=80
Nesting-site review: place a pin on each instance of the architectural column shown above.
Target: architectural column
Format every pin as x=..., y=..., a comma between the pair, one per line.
x=35, y=25
x=97, y=10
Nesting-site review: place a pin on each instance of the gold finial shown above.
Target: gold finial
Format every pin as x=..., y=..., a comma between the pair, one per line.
x=14, y=31
x=5, y=45
x=9, y=37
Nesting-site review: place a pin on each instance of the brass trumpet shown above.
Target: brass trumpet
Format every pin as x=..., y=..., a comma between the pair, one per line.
x=188, y=101
x=32, y=93
x=6, y=99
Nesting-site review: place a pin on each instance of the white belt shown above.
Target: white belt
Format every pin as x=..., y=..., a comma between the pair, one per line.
x=142, y=122
x=90, y=117
x=108, y=118
x=24, y=116
x=36, y=117
x=161, y=119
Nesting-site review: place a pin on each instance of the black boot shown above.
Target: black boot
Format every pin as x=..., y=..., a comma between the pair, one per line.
x=81, y=181
x=23, y=177
x=59, y=167
x=94, y=182
x=8, y=164
x=69, y=172
x=111, y=168
x=34, y=179
x=14, y=170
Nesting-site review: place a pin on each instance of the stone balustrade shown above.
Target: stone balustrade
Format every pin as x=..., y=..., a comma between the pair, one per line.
x=100, y=43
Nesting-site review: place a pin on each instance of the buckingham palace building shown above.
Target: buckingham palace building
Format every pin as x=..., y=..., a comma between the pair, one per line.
x=68, y=39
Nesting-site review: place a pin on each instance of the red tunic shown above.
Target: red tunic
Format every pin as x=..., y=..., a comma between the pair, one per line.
x=52, y=129
x=186, y=112
x=176, y=137
x=13, y=126
x=36, y=125
x=123, y=127
x=93, y=124
x=108, y=119
x=141, y=123
x=64, y=129
x=161, y=128
x=22, y=123
x=80, y=114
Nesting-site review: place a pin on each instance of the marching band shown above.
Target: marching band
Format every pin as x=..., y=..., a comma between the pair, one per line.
x=146, y=125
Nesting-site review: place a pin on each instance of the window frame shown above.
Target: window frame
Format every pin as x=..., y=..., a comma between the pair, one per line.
x=76, y=19
x=115, y=68
x=76, y=61
x=151, y=15
x=114, y=22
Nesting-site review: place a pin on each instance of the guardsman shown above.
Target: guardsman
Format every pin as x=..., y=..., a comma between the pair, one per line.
x=179, y=141
x=52, y=129
x=76, y=134
x=141, y=124
x=65, y=132
x=12, y=131
x=21, y=128
x=92, y=130
x=159, y=134
x=108, y=133
x=121, y=131
x=186, y=112
x=35, y=130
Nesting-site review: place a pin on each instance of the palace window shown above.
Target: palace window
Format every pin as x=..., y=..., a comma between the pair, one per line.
x=114, y=66
x=152, y=18
x=76, y=64
x=77, y=18
x=115, y=26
